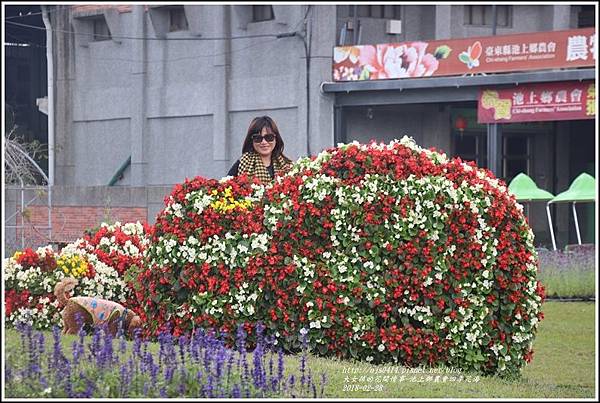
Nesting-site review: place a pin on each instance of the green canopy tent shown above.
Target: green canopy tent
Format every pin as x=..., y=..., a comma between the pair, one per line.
x=525, y=189
x=583, y=189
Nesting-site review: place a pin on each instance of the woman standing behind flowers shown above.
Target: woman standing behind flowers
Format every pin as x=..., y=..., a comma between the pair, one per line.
x=262, y=152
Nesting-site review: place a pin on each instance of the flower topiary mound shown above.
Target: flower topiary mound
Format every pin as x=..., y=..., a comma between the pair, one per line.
x=99, y=261
x=384, y=253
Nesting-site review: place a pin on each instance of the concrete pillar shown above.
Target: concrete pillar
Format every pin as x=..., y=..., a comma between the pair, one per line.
x=138, y=108
x=542, y=174
x=222, y=68
x=443, y=21
x=563, y=214
x=561, y=17
x=322, y=35
x=64, y=76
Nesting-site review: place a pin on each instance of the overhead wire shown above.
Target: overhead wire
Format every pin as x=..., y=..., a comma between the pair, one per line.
x=143, y=38
x=29, y=14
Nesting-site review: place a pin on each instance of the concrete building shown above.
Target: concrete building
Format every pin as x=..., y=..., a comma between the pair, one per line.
x=145, y=96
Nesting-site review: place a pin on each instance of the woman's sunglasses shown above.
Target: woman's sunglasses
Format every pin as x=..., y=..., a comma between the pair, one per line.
x=257, y=138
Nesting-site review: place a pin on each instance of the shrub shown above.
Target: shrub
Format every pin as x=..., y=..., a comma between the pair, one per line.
x=381, y=252
x=99, y=261
x=101, y=366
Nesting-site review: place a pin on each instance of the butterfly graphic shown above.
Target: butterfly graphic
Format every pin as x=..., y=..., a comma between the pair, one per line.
x=471, y=56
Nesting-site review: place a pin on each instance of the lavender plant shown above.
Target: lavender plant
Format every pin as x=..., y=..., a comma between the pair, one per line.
x=200, y=366
x=568, y=273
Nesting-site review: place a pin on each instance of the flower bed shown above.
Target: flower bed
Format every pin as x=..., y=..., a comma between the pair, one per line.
x=101, y=366
x=569, y=273
x=98, y=261
x=380, y=252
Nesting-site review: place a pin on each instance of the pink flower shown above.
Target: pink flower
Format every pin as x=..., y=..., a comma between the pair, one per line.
x=368, y=56
x=420, y=63
x=341, y=53
x=393, y=60
x=430, y=63
x=387, y=61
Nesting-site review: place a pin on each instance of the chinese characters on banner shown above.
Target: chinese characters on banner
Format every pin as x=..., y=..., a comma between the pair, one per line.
x=569, y=100
x=492, y=54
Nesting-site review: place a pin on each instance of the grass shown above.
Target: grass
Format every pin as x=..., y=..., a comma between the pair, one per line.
x=562, y=367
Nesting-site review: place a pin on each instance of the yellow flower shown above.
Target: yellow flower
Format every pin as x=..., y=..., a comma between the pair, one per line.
x=227, y=202
x=75, y=266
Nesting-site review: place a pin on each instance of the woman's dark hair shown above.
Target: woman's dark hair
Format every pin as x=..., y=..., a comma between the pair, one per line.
x=256, y=127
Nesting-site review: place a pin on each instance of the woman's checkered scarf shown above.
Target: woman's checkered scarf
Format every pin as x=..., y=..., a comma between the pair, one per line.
x=251, y=165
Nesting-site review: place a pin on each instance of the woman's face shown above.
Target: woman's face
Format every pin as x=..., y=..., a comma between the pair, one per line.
x=264, y=148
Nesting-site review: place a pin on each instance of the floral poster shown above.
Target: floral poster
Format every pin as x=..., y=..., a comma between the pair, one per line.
x=502, y=53
x=569, y=100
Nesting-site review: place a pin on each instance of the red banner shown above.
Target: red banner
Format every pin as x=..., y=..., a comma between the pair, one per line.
x=569, y=100
x=490, y=54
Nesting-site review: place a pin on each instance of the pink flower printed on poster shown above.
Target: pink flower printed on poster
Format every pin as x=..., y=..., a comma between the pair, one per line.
x=454, y=57
x=386, y=61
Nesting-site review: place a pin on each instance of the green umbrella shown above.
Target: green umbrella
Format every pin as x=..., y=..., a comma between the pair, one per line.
x=525, y=189
x=582, y=189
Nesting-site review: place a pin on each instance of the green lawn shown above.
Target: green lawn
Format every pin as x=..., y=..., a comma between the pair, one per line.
x=562, y=367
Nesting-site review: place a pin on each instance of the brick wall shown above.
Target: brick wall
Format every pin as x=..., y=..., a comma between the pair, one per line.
x=70, y=222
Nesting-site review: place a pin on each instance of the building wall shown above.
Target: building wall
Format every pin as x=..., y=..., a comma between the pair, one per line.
x=185, y=110
x=429, y=22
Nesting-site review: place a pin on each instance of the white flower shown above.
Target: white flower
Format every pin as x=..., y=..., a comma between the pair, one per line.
x=315, y=324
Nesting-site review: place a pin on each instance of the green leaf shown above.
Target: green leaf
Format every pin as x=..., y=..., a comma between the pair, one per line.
x=322, y=348
x=442, y=52
x=182, y=294
x=364, y=74
x=463, y=57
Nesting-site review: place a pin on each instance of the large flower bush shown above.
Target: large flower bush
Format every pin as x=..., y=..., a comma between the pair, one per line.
x=98, y=261
x=379, y=252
